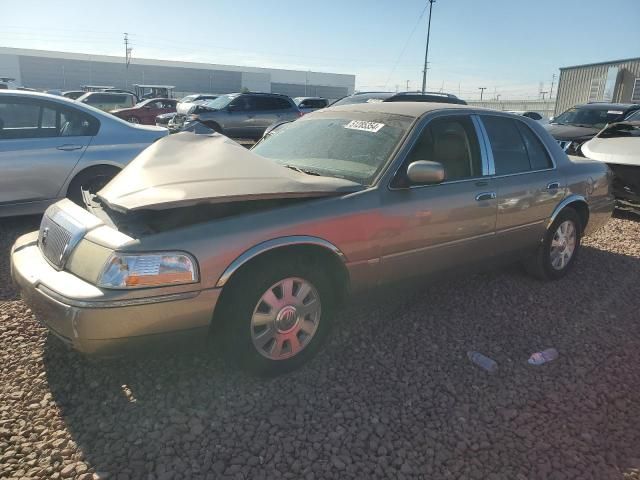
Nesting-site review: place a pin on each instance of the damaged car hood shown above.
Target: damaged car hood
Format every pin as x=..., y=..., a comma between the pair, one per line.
x=186, y=169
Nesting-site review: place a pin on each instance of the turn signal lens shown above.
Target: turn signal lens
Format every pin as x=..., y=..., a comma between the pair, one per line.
x=148, y=270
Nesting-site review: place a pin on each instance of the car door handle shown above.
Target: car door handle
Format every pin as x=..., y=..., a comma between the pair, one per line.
x=485, y=196
x=68, y=147
x=553, y=186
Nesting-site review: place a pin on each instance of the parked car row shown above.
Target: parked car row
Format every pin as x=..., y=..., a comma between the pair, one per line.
x=199, y=233
x=608, y=132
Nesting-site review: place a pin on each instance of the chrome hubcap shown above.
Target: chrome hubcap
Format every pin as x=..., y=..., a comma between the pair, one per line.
x=563, y=245
x=285, y=318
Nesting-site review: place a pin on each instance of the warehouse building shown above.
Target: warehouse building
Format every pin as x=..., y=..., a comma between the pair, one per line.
x=616, y=81
x=43, y=69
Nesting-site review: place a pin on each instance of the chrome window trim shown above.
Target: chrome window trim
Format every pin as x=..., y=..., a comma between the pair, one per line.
x=485, y=152
x=492, y=162
x=413, y=138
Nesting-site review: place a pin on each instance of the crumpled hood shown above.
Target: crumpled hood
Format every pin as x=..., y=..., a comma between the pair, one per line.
x=570, y=132
x=186, y=169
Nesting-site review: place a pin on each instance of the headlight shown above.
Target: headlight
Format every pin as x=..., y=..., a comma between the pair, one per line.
x=148, y=270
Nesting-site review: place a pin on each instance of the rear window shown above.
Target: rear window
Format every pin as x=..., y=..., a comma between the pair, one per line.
x=314, y=103
x=102, y=98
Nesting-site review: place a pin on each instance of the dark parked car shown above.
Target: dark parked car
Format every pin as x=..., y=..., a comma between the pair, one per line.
x=581, y=123
x=146, y=111
x=375, y=97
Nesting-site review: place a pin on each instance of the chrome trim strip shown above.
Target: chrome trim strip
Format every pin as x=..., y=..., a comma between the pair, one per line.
x=438, y=245
x=568, y=200
x=520, y=227
x=116, y=303
x=487, y=145
x=270, y=245
x=485, y=152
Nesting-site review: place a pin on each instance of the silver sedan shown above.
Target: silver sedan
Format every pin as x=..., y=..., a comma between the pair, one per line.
x=52, y=147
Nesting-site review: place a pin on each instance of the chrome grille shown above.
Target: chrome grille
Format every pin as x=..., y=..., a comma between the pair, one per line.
x=53, y=241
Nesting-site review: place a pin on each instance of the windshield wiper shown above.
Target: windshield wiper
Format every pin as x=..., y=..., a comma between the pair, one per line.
x=302, y=170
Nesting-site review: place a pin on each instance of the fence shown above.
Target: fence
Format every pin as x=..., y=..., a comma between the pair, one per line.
x=545, y=108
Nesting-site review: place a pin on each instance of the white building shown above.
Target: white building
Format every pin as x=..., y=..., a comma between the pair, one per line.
x=42, y=69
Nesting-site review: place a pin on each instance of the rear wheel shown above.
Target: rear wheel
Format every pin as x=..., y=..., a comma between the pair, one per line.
x=277, y=316
x=92, y=179
x=559, y=249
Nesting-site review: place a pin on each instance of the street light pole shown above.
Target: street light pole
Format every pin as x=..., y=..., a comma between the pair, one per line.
x=426, y=50
x=482, y=89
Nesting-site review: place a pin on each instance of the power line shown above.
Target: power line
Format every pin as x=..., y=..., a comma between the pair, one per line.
x=406, y=44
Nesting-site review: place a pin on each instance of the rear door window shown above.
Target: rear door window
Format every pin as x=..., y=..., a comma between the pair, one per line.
x=29, y=118
x=509, y=151
x=538, y=156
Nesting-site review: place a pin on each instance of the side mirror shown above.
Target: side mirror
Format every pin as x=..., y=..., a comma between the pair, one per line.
x=425, y=173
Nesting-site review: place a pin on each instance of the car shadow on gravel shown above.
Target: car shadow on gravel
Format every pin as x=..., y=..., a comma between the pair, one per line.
x=10, y=230
x=392, y=394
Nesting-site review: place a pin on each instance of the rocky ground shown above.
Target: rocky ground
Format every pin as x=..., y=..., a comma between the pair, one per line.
x=392, y=395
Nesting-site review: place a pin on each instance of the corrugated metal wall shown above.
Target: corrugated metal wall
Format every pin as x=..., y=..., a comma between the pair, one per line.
x=575, y=83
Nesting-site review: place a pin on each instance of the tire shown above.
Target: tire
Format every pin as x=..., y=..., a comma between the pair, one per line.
x=135, y=120
x=92, y=179
x=260, y=337
x=554, y=257
x=214, y=126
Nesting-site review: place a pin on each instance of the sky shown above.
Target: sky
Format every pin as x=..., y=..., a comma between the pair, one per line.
x=507, y=46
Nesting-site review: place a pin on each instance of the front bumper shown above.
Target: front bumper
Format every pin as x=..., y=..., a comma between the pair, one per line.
x=89, y=321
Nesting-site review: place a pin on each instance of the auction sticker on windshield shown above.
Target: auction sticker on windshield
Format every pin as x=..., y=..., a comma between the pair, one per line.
x=364, y=126
x=615, y=112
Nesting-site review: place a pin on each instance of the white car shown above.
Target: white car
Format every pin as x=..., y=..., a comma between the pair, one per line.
x=541, y=119
x=52, y=147
x=618, y=145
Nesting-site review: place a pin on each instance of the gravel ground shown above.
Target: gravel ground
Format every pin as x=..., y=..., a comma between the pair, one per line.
x=391, y=396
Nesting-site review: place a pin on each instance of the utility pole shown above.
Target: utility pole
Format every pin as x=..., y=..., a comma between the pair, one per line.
x=407, y=85
x=127, y=59
x=426, y=51
x=553, y=80
x=482, y=89
x=497, y=97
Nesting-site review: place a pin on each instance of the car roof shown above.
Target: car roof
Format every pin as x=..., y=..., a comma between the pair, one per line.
x=410, y=109
x=605, y=105
x=62, y=100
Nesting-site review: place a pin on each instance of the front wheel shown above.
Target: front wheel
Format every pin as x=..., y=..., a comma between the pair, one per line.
x=559, y=249
x=278, y=316
x=133, y=120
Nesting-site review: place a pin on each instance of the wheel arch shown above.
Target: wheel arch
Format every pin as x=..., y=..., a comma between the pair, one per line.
x=86, y=168
x=292, y=247
x=279, y=245
x=578, y=203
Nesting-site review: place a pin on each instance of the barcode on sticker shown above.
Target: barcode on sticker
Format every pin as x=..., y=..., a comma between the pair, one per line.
x=364, y=126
